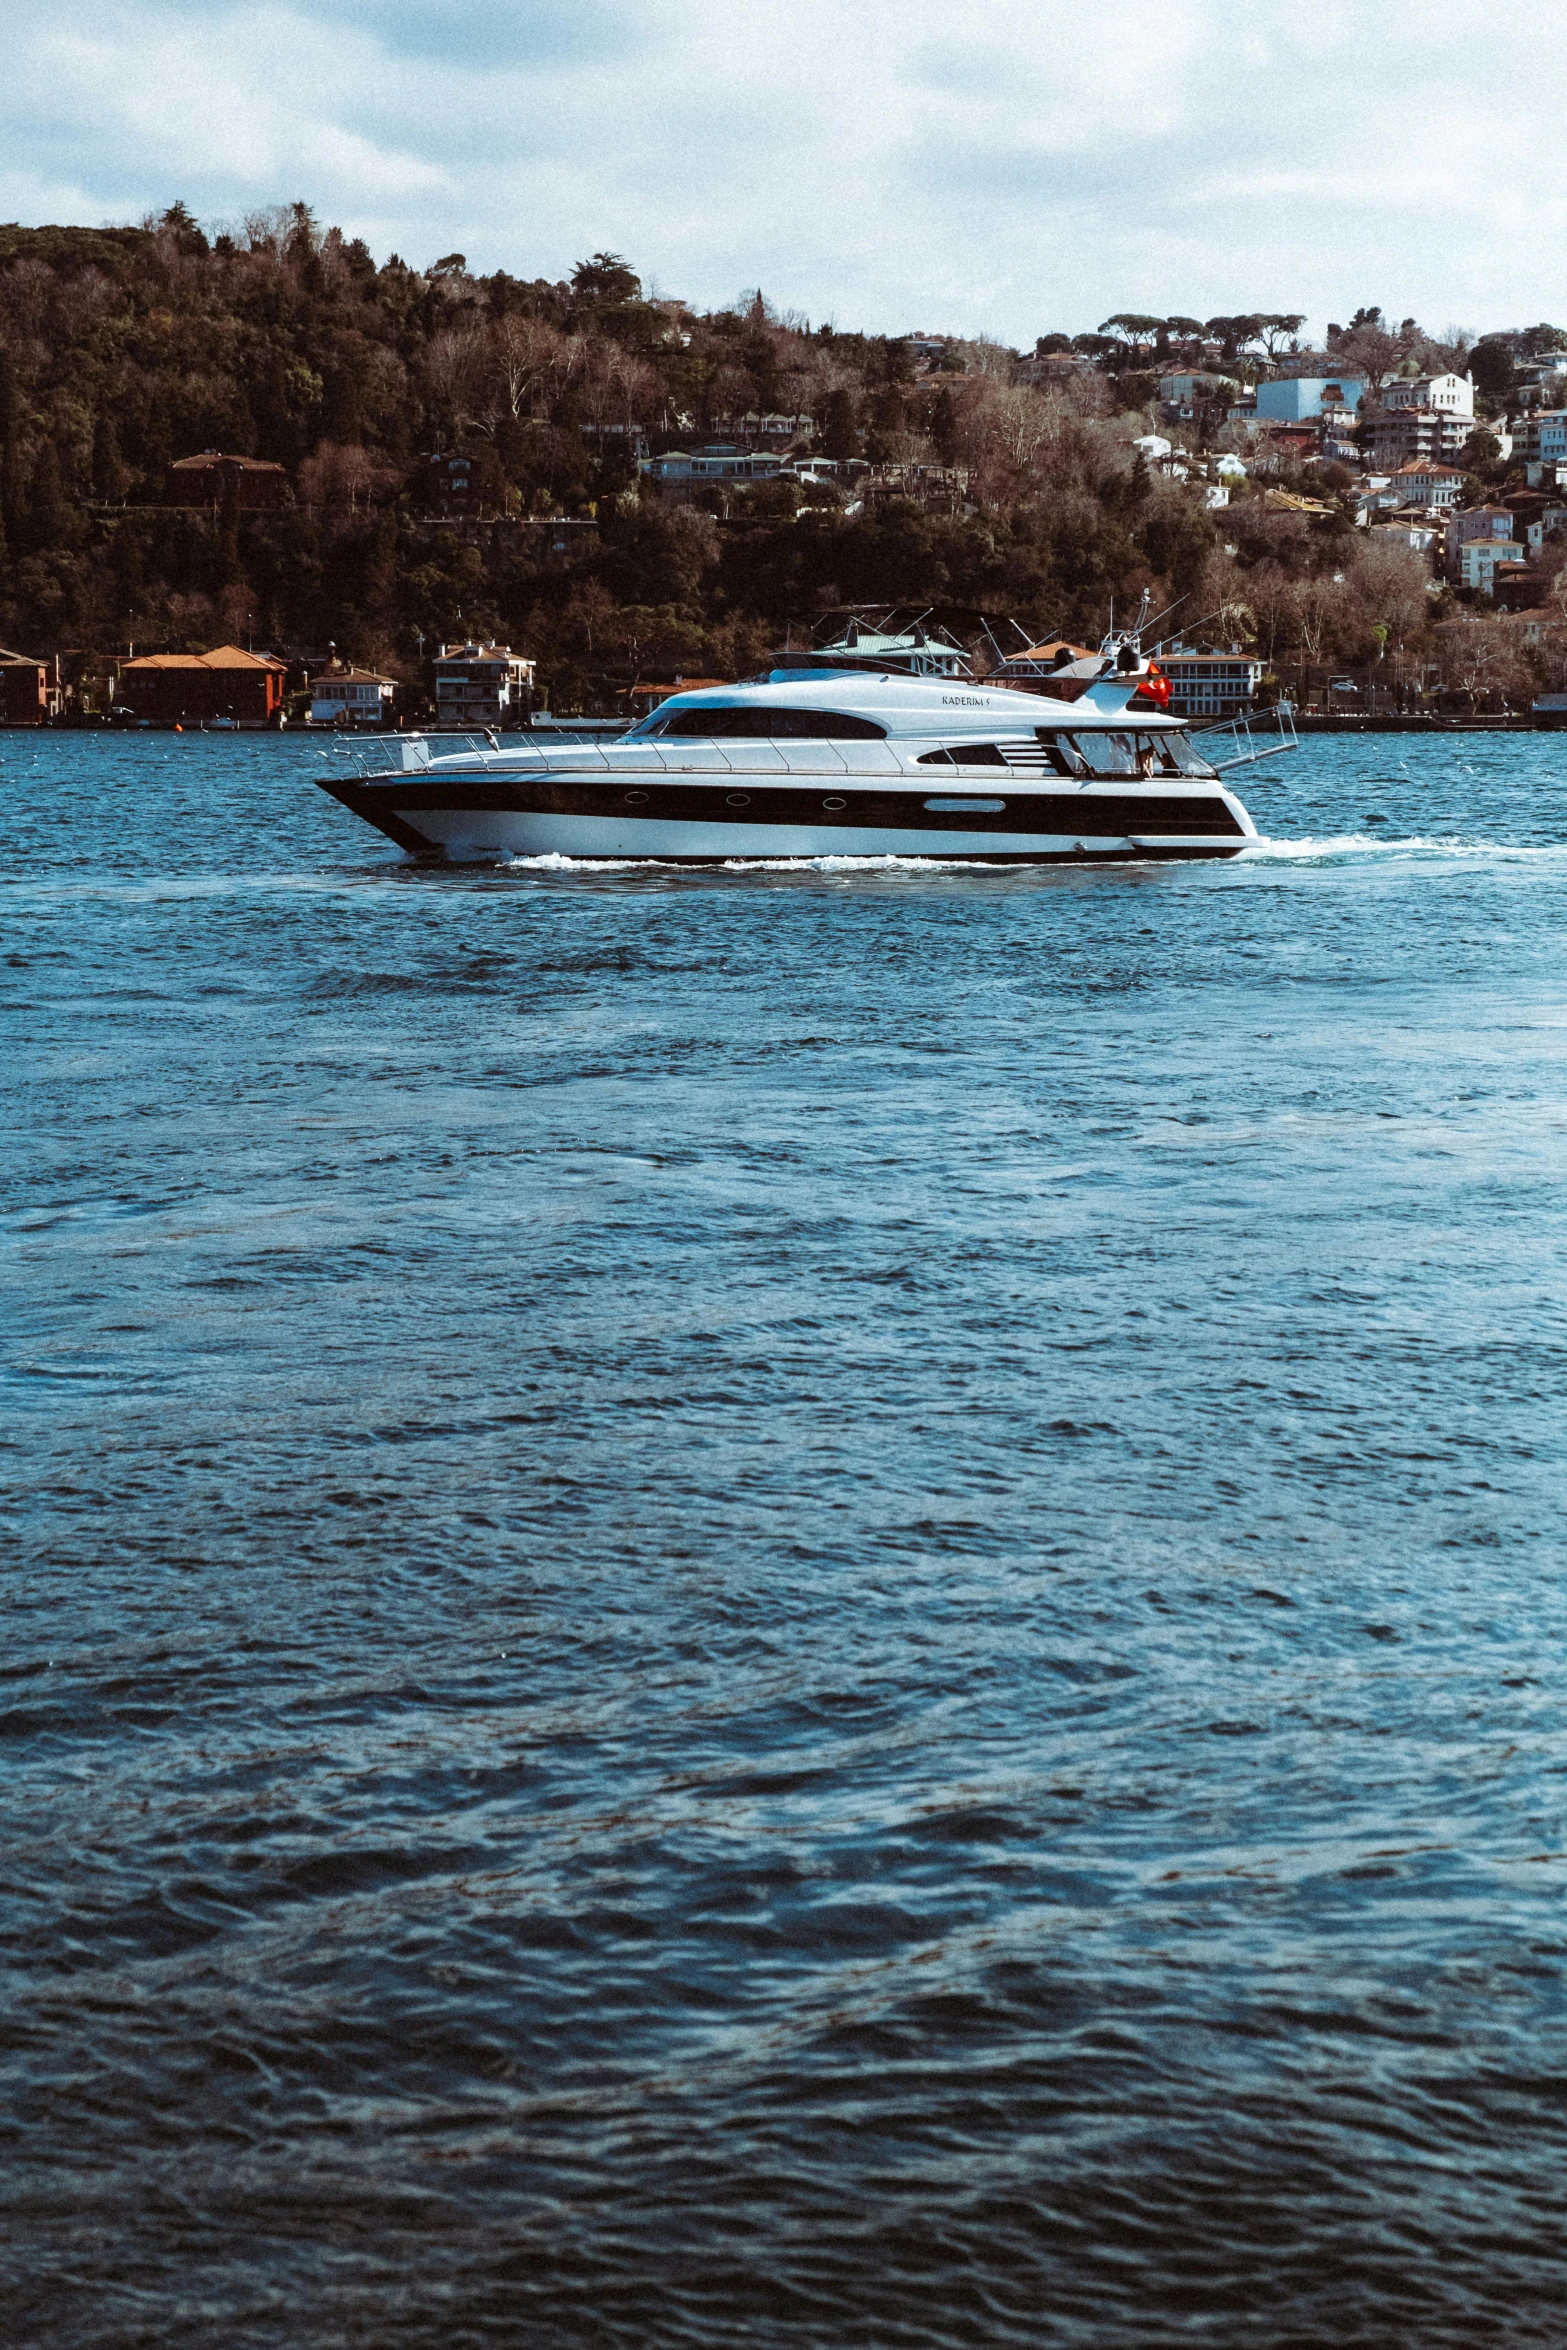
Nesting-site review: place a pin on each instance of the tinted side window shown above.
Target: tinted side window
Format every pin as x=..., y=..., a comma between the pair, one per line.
x=724, y=725
x=963, y=755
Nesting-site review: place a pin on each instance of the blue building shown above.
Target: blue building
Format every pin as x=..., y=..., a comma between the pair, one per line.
x=1293, y=399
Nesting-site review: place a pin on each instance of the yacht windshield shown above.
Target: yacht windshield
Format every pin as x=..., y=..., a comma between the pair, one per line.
x=720, y=722
x=1109, y=751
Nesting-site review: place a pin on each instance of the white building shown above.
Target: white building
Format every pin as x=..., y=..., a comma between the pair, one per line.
x=1426, y=483
x=1418, y=537
x=1493, y=523
x=1480, y=559
x=1446, y=395
x=345, y=696
x=1209, y=684
x=482, y=685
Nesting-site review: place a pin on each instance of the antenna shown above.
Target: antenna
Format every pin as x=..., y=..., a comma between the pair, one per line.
x=1169, y=608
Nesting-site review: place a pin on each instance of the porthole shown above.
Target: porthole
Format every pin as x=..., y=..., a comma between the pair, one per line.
x=835, y=804
x=738, y=799
x=636, y=799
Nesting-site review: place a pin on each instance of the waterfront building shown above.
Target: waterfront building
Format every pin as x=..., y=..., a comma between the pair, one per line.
x=1209, y=683
x=482, y=685
x=341, y=695
x=251, y=485
x=28, y=696
x=193, y=689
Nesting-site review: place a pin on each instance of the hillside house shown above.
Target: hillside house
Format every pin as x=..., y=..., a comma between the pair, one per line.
x=1475, y=522
x=1479, y=560
x=1428, y=484
x=248, y=485
x=1444, y=395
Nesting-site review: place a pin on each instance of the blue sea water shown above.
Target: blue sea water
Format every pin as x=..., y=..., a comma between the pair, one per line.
x=792, y=1607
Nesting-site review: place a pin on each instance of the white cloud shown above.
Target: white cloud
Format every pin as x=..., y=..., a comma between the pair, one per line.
x=1009, y=166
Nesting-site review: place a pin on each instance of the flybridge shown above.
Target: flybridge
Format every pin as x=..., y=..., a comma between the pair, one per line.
x=960, y=643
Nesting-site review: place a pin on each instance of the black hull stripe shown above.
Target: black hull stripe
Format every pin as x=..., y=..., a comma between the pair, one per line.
x=819, y=807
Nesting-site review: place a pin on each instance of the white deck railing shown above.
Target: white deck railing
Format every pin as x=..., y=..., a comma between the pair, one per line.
x=1240, y=737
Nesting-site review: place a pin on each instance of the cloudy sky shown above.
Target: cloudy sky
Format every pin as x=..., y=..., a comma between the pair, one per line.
x=1000, y=166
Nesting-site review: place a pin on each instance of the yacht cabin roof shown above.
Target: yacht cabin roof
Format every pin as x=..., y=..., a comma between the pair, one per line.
x=918, y=706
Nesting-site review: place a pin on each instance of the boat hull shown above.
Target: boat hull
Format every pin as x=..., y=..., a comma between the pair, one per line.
x=698, y=823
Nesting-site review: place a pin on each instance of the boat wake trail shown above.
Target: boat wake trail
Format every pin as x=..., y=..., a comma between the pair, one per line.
x=1341, y=848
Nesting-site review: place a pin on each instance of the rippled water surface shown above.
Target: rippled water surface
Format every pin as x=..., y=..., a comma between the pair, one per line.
x=786, y=1607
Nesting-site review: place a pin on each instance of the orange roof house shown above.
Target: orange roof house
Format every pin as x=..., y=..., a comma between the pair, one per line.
x=25, y=698
x=175, y=689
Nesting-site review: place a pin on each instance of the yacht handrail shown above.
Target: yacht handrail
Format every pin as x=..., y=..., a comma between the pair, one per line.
x=1238, y=732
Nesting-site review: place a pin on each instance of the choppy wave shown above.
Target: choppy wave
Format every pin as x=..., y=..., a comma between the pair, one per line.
x=782, y=1616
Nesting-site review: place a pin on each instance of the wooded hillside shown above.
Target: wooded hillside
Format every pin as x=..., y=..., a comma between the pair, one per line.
x=123, y=350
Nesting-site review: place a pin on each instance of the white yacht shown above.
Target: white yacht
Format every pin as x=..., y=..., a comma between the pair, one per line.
x=839, y=761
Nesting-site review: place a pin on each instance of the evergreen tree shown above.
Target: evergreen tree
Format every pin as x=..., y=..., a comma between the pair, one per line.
x=836, y=434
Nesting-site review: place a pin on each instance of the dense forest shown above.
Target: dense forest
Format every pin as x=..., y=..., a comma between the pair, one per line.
x=125, y=349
